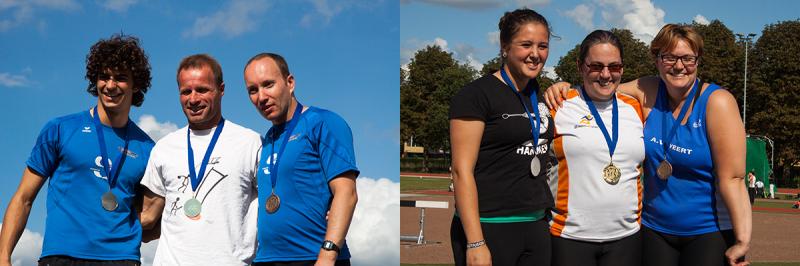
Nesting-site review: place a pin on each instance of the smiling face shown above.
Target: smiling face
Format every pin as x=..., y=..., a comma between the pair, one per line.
x=115, y=90
x=677, y=75
x=601, y=71
x=201, y=97
x=527, y=51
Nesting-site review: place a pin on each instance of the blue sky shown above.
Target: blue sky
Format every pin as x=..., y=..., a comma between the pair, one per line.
x=343, y=55
x=468, y=28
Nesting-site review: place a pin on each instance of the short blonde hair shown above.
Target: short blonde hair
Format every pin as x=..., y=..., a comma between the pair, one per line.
x=670, y=34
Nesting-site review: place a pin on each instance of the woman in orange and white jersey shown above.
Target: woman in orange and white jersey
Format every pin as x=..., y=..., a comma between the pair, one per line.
x=599, y=146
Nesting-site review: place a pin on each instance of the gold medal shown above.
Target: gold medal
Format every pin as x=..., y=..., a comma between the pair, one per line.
x=273, y=203
x=611, y=174
x=664, y=170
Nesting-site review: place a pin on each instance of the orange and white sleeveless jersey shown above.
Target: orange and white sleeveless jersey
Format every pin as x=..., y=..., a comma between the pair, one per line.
x=588, y=208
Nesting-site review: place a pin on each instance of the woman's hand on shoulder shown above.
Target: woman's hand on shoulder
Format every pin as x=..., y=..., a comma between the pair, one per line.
x=555, y=94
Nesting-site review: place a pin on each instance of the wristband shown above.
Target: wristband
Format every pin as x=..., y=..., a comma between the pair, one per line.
x=476, y=244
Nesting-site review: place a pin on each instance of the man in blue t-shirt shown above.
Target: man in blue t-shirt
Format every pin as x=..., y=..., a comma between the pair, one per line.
x=307, y=168
x=92, y=161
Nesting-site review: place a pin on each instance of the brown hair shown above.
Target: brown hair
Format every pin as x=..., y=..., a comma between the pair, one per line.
x=198, y=61
x=282, y=65
x=512, y=21
x=598, y=37
x=120, y=52
x=670, y=34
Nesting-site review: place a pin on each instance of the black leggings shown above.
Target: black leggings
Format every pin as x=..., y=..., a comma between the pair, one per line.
x=669, y=250
x=623, y=252
x=524, y=243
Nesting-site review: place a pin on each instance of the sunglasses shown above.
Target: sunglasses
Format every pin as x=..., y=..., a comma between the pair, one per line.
x=615, y=68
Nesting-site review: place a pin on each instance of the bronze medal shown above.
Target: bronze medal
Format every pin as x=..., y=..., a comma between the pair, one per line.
x=109, y=201
x=273, y=203
x=664, y=170
x=611, y=174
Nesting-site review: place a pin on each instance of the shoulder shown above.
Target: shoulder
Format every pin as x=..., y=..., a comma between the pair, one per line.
x=316, y=115
x=69, y=120
x=480, y=85
x=721, y=99
x=138, y=134
x=241, y=131
x=170, y=138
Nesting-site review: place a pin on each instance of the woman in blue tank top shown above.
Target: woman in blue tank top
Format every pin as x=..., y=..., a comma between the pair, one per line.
x=696, y=208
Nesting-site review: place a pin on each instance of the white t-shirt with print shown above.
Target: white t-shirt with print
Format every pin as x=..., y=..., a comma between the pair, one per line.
x=225, y=233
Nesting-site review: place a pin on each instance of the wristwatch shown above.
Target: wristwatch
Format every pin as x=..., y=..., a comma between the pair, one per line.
x=330, y=246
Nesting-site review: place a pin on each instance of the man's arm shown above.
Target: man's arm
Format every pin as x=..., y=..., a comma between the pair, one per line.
x=150, y=215
x=19, y=208
x=343, y=204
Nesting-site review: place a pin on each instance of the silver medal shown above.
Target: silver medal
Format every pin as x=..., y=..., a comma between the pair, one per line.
x=109, y=201
x=536, y=166
x=191, y=208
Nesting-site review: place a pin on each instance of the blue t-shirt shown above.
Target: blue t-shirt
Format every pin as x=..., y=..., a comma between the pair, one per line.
x=688, y=202
x=319, y=149
x=67, y=151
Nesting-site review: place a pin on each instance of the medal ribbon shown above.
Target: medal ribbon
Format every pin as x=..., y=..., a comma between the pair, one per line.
x=273, y=163
x=192, y=174
x=534, y=103
x=668, y=138
x=611, y=141
x=104, y=154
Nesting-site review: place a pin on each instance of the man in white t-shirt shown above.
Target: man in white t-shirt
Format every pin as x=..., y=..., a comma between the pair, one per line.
x=760, y=189
x=201, y=179
x=751, y=185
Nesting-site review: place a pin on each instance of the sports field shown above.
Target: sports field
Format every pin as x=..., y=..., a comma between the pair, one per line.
x=776, y=226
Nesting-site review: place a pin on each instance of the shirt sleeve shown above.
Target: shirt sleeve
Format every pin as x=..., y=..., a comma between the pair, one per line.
x=153, y=178
x=470, y=102
x=335, y=146
x=44, y=157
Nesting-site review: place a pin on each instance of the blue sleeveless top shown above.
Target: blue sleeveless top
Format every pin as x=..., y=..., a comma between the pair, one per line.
x=688, y=202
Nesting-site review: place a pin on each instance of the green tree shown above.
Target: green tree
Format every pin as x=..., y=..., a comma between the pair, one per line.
x=722, y=61
x=433, y=77
x=636, y=58
x=774, y=91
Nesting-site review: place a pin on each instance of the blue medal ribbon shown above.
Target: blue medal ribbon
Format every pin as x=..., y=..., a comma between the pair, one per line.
x=668, y=138
x=192, y=174
x=115, y=165
x=534, y=103
x=273, y=163
x=611, y=141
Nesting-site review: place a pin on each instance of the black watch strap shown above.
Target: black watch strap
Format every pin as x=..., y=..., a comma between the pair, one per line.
x=329, y=245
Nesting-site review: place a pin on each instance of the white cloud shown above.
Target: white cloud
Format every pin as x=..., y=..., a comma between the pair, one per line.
x=148, y=252
x=441, y=43
x=466, y=54
x=118, y=5
x=639, y=16
x=700, y=19
x=463, y=4
x=550, y=72
x=18, y=13
x=238, y=17
x=28, y=249
x=413, y=45
x=494, y=38
x=375, y=230
x=11, y=80
x=583, y=15
x=322, y=11
x=153, y=128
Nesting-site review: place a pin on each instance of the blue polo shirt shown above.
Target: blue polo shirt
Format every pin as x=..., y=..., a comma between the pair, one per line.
x=68, y=154
x=319, y=149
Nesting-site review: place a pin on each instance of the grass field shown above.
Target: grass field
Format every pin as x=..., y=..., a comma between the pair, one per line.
x=416, y=183
x=771, y=204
